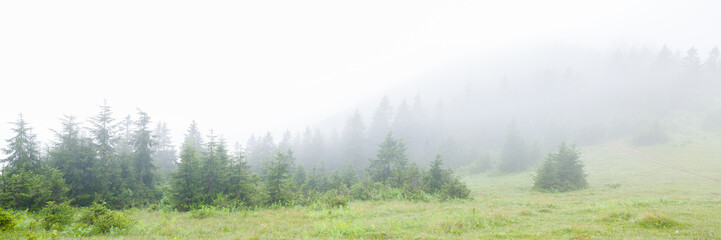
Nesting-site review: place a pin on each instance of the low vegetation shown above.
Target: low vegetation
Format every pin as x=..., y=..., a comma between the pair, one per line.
x=561, y=172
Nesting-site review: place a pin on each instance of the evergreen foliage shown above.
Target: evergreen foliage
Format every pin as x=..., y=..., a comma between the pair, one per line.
x=22, y=150
x=436, y=176
x=7, y=221
x=278, y=181
x=75, y=155
x=186, y=182
x=115, y=164
x=561, y=171
x=31, y=190
x=454, y=188
x=515, y=155
x=353, y=142
x=103, y=219
x=390, y=162
x=143, y=169
x=164, y=152
x=57, y=215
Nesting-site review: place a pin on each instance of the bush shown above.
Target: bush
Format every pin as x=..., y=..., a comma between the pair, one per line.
x=203, y=211
x=103, y=219
x=561, y=172
x=336, y=198
x=7, y=221
x=33, y=189
x=57, y=216
x=374, y=191
x=454, y=189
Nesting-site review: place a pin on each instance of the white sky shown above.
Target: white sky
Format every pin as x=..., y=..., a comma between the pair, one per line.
x=243, y=67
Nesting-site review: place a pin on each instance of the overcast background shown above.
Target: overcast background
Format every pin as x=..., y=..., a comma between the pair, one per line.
x=243, y=67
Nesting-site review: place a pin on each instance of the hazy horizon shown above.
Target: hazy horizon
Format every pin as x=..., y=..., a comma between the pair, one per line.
x=243, y=69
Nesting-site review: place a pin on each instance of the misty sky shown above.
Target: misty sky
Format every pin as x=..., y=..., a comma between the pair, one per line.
x=243, y=67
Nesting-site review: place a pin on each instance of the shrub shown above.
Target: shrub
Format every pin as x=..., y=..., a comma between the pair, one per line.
x=454, y=189
x=203, y=211
x=335, y=198
x=7, y=221
x=103, y=219
x=561, y=172
x=375, y=191
x=57, y=216
x=365, y=190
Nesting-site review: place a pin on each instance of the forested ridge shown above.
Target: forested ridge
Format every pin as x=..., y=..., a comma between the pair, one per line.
x=403, y=152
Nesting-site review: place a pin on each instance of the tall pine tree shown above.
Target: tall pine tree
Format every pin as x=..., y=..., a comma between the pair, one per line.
x=144, y=171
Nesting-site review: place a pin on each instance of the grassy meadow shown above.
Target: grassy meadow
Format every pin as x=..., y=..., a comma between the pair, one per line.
x=634, y=193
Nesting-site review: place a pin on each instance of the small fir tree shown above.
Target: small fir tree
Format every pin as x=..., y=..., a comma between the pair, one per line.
x=561, y=171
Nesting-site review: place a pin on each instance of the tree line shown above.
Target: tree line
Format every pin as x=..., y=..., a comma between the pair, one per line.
x=124, y=163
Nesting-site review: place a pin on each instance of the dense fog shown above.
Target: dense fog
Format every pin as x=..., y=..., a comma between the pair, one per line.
x=117, y=95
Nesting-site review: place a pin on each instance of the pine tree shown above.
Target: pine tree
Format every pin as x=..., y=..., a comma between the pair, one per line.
x=353, y=137
x=31, y=190
x=390, y=162
x=22, y=150
x=436, y=176
x=514, y=155
x=316, y=182
x=186, y=182
x=561, y=171
x=241, y=184
x=110, y=166
x=380, y=124
x=125, y=187
x=284, y=144
x=27, y=184
x=104, y=135
x=164, y=152
x=144, y=171
x=261, y=150
x=299, y=176
x=692, y=61
x=278, y=178
x=193, y=136
x=349, y=176
x=214, y=167
x=210, y=169
x=75, y=156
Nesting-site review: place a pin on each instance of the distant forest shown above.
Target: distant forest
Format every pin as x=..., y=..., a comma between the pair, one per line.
x=406, y=151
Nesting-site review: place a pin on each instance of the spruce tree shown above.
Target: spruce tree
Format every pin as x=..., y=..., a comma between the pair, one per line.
x=390, y=162
x=164, y=152
x=241, y=183
x=436, y=176
x=278, y=178
x=561, y=171
x=27, y=184
x=22, y=150
x=105, y=136
x=144, y=171
x=514, y=154
x=186, y=183
x=193, y=136
x=353, y=142
x=380, y=124
x=75, y=156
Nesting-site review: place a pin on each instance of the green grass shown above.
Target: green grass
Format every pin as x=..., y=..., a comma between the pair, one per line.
x=629, y=197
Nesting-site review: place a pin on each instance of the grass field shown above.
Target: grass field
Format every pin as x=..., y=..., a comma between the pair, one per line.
x=634, y=193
